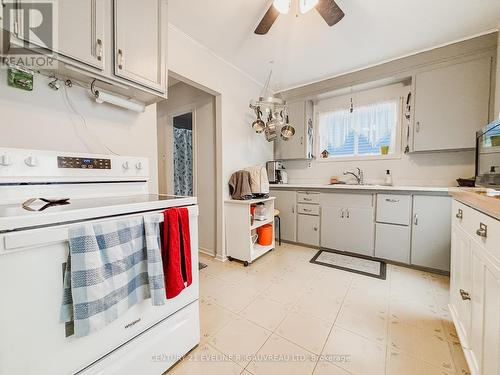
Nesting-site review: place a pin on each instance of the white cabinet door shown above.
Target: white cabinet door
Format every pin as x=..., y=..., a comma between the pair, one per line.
x=80, y=30
x=451, y=103
x=286, y=203
x=308, y=230
x=491, y=324
x=141, y=42
x=431, y=232
x=300, y=145
x=348, y=229
x=360, y=231
x=392, y=242
x=460, y=281
x=334, y=228
x=478, y=270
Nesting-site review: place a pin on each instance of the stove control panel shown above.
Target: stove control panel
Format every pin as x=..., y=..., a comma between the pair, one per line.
x=83, y=163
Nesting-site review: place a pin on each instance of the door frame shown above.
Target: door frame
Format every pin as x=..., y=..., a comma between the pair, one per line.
x=190, y=108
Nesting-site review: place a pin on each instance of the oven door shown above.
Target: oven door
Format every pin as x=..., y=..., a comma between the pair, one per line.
x=32, y=340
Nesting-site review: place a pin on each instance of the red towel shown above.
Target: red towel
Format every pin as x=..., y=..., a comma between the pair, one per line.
x=176, y=252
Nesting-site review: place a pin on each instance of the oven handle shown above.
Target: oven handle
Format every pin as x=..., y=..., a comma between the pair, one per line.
x=49, y=235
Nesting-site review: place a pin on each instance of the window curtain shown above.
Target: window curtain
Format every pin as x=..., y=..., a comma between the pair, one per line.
x=374, y=123
x=183, y=162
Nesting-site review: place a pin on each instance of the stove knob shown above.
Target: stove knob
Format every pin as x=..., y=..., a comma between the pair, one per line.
x=138, y=165
x=31, y=161
x=5, y=160
x=126, y=165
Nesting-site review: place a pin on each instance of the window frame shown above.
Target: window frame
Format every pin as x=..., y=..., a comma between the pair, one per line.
x=398, y=154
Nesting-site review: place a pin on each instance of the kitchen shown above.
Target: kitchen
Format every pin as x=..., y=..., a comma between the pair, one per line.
x=355, y=251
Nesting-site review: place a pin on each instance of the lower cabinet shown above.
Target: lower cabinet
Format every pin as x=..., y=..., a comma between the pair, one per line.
x=286, y=203
x=430, y=245
x=393, y=242
x=348, y=229
x=474, y=291
x=308, y=230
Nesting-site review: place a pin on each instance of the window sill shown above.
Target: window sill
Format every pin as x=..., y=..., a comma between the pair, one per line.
x=360, y=158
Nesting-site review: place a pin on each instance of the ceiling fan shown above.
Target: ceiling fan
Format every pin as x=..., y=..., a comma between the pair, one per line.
x=328, y=9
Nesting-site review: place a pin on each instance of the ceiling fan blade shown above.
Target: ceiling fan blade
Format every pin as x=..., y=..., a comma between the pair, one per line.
x=267, y=21
x=330, y=11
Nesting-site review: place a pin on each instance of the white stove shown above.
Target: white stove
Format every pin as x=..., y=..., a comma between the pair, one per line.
x=34, y=247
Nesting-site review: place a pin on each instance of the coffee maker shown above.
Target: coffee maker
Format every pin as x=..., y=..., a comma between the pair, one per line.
x=276, y=172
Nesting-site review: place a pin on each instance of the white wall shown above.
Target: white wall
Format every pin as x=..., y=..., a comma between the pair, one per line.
x=42, y=119
x=238, y=145
x=183, y=98
x=436, y=169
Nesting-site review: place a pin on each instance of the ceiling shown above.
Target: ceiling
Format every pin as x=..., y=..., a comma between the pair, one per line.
x=305, y=49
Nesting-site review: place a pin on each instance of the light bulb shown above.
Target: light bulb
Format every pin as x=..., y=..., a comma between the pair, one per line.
x=307, y=5
x=282, y=6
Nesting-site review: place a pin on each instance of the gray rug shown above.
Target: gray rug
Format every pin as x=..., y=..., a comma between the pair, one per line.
x=351, y=263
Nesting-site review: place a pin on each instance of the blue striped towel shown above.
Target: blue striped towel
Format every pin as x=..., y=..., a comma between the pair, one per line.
x=111, y=267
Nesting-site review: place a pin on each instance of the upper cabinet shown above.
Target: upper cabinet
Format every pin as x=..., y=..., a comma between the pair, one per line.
x=300, y=146
x=113, y=41
x=139, y=42
x=452, y=102
x=87, y=45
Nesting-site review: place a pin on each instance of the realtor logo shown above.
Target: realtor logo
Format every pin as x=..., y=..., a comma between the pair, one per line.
x=29, y=34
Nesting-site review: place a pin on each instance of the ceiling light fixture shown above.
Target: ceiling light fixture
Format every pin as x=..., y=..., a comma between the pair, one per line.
x=282, y=6
x=307, y=5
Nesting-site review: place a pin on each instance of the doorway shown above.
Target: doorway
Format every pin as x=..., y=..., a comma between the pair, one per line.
x=183, y=154
x=187, y=154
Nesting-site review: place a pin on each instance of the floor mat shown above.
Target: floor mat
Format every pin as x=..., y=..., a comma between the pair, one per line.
x=351, y=263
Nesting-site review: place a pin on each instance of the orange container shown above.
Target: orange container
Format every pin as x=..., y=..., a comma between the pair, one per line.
x=265, y=233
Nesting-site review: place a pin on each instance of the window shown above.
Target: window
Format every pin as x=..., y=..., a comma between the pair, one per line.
x=370, y=130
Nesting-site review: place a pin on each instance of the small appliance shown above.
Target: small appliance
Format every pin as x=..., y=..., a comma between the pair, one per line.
x=276, y=172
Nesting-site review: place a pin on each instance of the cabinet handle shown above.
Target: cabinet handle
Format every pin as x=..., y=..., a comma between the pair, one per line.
x=392, y=200
x=342, y=213
x=120, y=59
x=415, y=219
x=315, y=229
x=308, y=199
x=293, y=209
x=307, y=210
x=465, y=295
x=418, y=127
x=301, y=141
x=460, y=214
x=482, y=231
x=348, y=214
x=99, y=49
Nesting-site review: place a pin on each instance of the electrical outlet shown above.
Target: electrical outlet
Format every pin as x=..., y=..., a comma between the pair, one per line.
x=309, y=164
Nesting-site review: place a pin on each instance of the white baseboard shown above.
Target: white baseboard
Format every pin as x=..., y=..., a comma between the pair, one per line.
x=206, y=251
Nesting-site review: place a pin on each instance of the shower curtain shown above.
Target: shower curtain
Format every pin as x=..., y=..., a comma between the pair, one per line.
x=183, y=162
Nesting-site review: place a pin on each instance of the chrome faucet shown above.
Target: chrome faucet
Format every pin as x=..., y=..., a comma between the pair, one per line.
x=360, y=178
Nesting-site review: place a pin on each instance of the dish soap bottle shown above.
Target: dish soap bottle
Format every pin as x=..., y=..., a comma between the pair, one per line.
x=388, y=178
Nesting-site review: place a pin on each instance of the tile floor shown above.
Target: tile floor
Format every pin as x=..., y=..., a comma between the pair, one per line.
x=284, y=315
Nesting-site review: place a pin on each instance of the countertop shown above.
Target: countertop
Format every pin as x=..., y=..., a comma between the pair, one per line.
x=362, y=187
x=479, y=200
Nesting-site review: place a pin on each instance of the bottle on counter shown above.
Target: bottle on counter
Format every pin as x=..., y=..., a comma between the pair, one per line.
x=388, y=178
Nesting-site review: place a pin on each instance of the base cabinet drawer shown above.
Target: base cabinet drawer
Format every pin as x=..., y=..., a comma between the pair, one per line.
x=308, y=230
x=393, y=209
x=392, y=242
